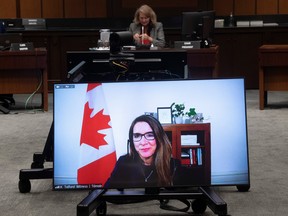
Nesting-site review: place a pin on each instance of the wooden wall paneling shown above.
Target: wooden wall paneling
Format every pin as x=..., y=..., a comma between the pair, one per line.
x=245, y=7
x=30, y=9
x=247, y=44
x=265, y=7
x=159, y=3
x=238, y=54
x=226, y=53
x=52, y=8
x=276, y=37
x=223, y=7
x=168, y=8
x=74, y=9
x=9, y=11
x=283, y=7
x=205, y=5
x=96, y=8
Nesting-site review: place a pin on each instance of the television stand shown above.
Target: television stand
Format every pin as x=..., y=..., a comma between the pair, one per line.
x=201, y=196
x=37, y=170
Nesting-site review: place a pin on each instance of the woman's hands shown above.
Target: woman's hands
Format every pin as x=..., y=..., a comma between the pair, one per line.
x=139, y=37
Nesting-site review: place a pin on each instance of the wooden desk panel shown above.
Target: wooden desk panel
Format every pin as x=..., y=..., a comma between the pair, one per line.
x=21, y=72
x=203, y=62
x=161, y=63
x=273, y=74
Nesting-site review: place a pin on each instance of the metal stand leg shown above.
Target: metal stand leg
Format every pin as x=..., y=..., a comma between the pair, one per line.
x=97, y=199
x=37, y=170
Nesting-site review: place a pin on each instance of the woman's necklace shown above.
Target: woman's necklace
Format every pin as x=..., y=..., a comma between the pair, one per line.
x=145, y=170
x=146, y=178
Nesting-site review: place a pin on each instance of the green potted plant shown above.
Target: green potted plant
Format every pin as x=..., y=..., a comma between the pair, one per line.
x=178, y=112
x=191, y=114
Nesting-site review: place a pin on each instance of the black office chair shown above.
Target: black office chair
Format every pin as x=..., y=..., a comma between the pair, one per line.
x=6, y=39
x=6, y=100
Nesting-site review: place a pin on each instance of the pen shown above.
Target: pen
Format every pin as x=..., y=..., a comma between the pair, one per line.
x=142, y=32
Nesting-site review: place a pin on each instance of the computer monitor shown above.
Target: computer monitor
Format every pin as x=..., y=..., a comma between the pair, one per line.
x=198, y=25
x=119, y=39
x=92, y=121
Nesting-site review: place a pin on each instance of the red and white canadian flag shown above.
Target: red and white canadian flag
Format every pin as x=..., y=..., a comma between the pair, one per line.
x=97, y=150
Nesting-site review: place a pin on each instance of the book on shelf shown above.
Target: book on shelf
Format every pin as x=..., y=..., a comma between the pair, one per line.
x=199, y=156
x=195, y=159
x=186, y=162
x=185, y=154
x=190, y=145
x=189, y=140
x=192, y=156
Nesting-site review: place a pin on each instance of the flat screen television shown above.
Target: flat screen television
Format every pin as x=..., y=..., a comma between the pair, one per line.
x=92, y=122
x=198, y=25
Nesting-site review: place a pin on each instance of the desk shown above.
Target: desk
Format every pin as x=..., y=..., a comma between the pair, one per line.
x=273, y=74
x=203, y=63
x=160, y=63
x=21, y=72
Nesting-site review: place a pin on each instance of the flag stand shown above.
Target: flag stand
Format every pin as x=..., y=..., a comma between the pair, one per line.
x=201, y=196
x=37, y=170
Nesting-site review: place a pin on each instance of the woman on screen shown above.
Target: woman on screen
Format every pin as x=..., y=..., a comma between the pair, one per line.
x=145, y=28
x=149, y=162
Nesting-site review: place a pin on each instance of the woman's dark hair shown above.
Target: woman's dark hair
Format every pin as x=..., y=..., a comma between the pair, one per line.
x=163, y=152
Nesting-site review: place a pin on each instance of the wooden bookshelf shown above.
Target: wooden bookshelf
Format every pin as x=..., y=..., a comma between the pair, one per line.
x=196, y=155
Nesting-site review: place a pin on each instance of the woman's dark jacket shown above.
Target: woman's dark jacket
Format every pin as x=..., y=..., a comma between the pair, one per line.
x=132, y=173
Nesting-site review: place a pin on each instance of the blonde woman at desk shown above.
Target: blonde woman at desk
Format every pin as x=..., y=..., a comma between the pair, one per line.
x=145, y=28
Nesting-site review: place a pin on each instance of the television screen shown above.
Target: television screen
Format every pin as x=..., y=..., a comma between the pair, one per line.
x=129, y=134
